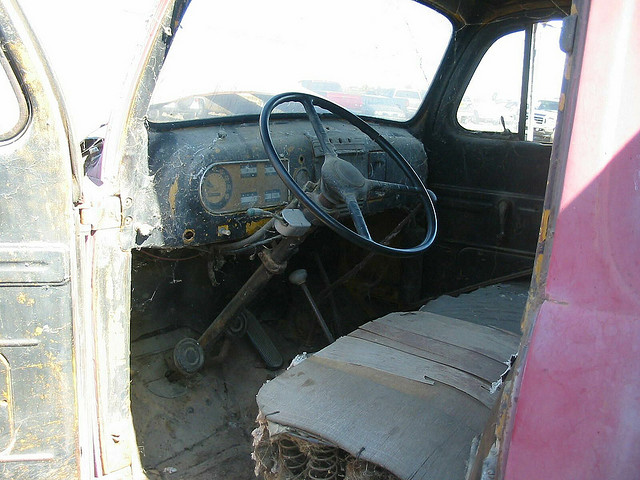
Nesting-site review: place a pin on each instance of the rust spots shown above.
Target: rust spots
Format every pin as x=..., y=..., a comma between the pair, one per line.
x=538, y=267
x=544, y=224
x=189, y=235
x=173, y=192
x=25, y=300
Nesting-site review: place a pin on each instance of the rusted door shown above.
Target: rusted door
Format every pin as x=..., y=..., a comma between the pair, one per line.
x=39, y=302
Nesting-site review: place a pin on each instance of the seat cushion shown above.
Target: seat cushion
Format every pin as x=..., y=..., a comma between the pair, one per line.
x=408, y=392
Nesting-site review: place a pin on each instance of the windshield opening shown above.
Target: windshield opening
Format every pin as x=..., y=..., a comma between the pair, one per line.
x=376, y=58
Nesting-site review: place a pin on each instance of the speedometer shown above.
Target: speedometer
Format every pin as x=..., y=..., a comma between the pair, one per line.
x=215, y=188
x=233, y=187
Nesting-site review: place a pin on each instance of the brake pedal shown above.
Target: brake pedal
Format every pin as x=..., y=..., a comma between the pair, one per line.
x=262, y=342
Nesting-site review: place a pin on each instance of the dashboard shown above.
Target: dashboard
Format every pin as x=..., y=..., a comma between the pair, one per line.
x=205, y=177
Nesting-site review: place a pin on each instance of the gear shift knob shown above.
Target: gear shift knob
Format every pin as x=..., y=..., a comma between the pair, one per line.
x=298, y=277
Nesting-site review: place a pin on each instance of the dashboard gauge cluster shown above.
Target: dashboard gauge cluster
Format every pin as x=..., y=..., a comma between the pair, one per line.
x=233, y=187
x=206, y=176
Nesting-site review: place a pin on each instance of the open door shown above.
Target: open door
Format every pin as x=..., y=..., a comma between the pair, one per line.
x=39, y=293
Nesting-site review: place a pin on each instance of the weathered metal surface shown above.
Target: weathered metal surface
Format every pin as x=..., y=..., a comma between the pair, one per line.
x=578, y=404
x=38, y=305
x=180, y=154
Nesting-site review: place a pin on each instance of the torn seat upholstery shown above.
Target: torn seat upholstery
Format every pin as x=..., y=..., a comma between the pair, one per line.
x=402, y=397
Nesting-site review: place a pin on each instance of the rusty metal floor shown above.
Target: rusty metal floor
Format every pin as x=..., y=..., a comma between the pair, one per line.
x=408, y=392
x=201, y=431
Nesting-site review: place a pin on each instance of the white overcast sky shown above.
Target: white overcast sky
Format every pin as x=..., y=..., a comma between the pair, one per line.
x=93, y=44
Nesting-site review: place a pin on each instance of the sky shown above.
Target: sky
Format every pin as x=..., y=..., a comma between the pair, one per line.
x=91, y=46
x=397, y=43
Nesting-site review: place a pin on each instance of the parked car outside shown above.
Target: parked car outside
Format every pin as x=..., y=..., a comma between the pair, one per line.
x=545, y=116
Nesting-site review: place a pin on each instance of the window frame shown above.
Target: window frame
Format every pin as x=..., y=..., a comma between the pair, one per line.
x=21, y=98
x=525, y=24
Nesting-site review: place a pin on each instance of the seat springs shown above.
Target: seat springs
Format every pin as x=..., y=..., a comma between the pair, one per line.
x=293, y=459
x=323, y=463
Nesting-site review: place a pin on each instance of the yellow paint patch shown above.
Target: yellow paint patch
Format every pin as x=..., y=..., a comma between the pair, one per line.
x=24, y=300
x=538, y=268
x=252, y=227
x=173, y=193
x=544, y=225
x=38, y=331
x=563, y=99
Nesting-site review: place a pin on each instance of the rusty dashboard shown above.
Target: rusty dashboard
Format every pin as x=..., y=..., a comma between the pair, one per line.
x=206, y=177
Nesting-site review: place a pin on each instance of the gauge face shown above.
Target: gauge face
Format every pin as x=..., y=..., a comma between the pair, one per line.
x=215, y=188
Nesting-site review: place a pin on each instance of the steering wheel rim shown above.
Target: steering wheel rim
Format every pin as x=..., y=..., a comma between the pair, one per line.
x=309, y=102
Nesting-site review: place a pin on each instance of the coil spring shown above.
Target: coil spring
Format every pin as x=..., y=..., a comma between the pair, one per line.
x=294, y=460
x=323, y=463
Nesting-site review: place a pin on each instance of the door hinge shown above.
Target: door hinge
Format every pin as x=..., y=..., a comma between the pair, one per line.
x=568, y=33
x=100, y=215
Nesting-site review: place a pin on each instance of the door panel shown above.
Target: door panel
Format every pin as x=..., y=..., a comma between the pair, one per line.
x=490, y=185
x=38, y=407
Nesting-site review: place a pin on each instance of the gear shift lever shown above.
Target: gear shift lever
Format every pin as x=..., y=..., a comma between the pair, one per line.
x=299, y=277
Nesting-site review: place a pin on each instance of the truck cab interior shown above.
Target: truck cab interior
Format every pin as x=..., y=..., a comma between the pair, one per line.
x=377, y=227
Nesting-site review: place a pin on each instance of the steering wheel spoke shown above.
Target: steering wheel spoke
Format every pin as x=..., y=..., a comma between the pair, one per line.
x=358, y=218
x=390, y=187
x=321, y=133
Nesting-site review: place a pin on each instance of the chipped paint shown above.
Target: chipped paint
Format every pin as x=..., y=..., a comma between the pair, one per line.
x=24, y=300
x=252, y=227
x=544, y=225
x=537, y=271
x=173, y=192
x=224, y=231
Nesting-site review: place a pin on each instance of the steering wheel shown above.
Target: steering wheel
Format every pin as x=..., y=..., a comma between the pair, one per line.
x=341, y=182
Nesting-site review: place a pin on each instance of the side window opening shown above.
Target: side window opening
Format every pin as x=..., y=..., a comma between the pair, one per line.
x=13, y=113
x=495, y=88
x=493, y=100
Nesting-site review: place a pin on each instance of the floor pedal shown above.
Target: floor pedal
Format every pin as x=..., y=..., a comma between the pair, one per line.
x=262, y=343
